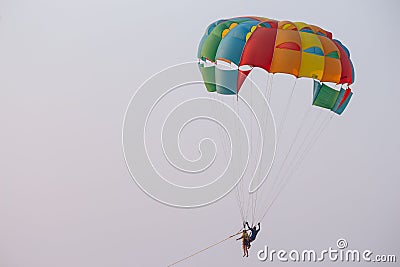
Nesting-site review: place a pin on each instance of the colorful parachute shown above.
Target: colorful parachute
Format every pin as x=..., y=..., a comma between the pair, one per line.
x=294, y=48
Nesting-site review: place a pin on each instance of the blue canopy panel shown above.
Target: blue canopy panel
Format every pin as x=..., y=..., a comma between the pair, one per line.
x=314, y=50
x=342, y=101
x=317, y=87
x=231, y=46
x=226, y=81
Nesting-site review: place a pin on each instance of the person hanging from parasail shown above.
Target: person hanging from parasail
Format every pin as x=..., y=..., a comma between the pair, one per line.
x=254, y=232
x=245, y=242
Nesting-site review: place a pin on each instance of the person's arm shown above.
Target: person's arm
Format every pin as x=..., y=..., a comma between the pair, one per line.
x=247, y=223
x=259, y=227
x=239, y=238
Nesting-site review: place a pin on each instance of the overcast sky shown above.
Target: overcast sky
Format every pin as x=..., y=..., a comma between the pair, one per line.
x=67, y=72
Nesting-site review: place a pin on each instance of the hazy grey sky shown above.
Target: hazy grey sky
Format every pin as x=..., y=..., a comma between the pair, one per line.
x=67, y=72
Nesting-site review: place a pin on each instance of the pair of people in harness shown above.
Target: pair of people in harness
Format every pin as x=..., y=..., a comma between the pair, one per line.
x=246, y=242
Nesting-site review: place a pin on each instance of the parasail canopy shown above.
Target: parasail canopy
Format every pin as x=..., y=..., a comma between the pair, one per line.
x=295, y=48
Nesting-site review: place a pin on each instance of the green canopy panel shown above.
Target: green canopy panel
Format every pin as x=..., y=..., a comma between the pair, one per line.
x=208, y=74
x=324, y=96
x=329, y=98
